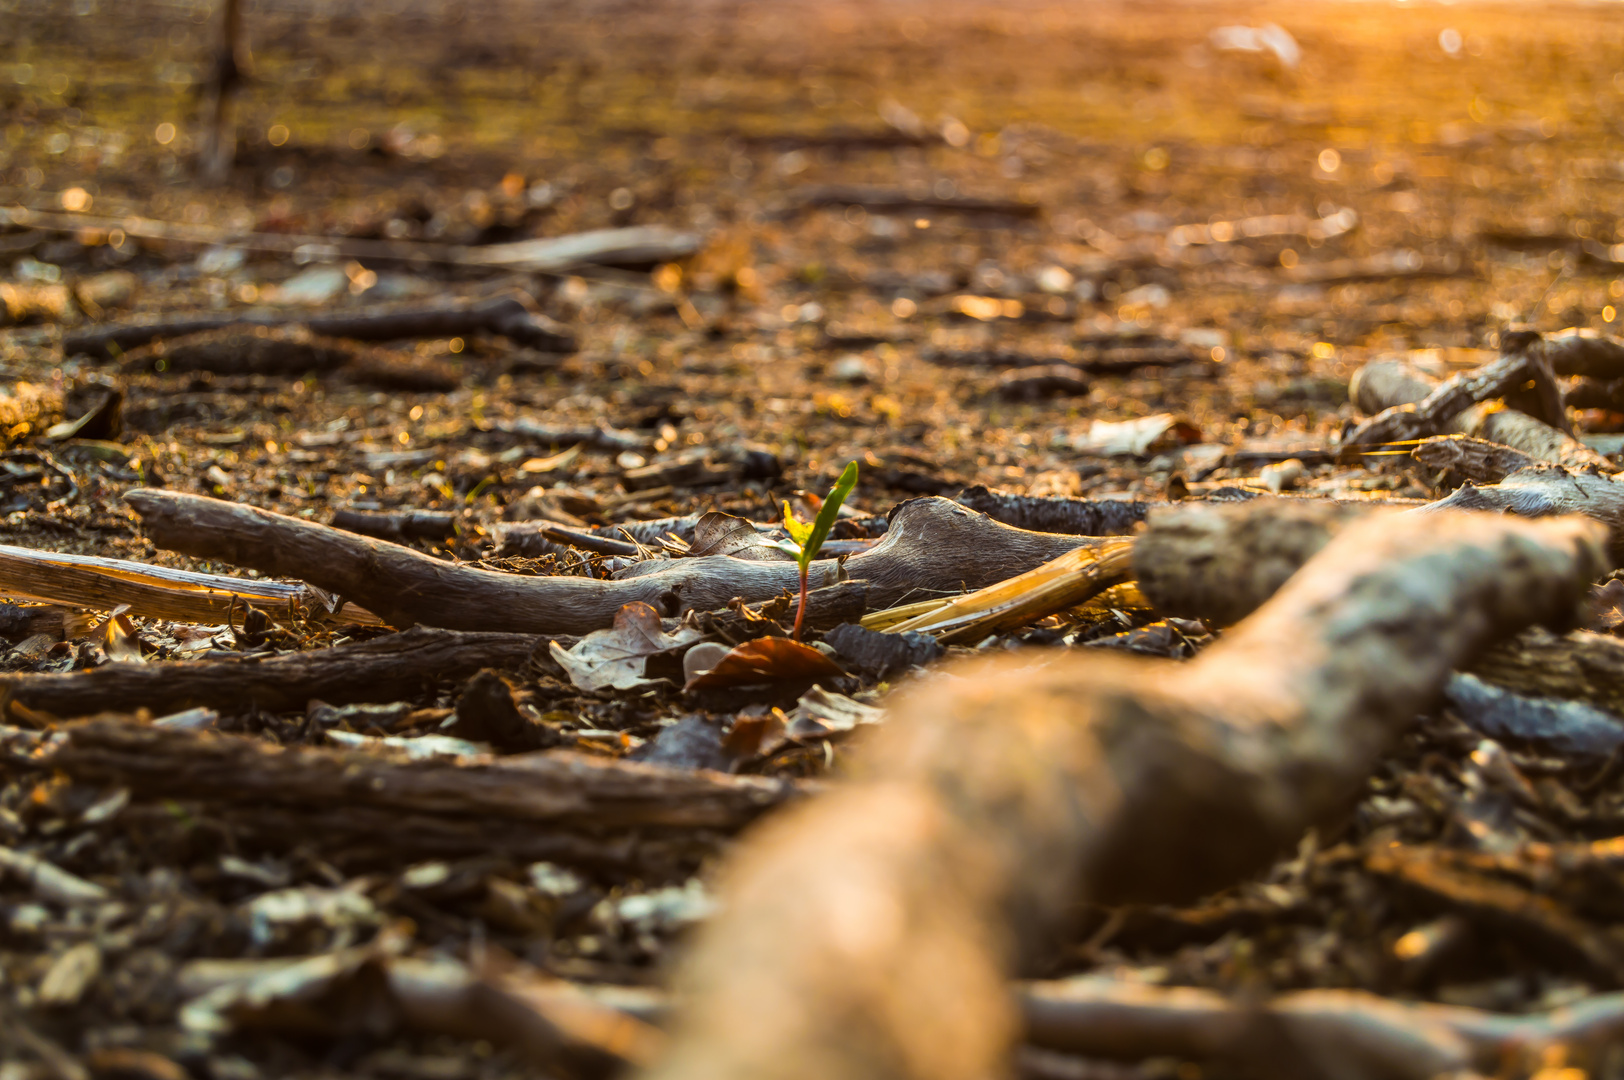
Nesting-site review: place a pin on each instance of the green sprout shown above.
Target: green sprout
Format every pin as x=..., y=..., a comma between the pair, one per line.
x=807, y=537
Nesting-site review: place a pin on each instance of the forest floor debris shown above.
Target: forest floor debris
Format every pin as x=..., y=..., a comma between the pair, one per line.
x=397, y=628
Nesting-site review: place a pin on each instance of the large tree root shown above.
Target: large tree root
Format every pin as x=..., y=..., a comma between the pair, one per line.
x=367, y=671
x=934, y=547
x=868, y=933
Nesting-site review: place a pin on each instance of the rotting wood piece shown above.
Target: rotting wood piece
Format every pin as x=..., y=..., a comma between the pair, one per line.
x=504, y=315
x=358, y=671
x=933, y=547
x=890, y=909
x=549, y=788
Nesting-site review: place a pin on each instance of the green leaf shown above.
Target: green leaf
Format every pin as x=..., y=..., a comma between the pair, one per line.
x=799, y=531
x=826, y=516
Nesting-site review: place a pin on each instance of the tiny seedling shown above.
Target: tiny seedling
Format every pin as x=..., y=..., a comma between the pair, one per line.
x=805, y=538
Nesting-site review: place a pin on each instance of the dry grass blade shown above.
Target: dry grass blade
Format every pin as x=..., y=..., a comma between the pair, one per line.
x=1055, y=586
x=156, y=591
x=890, y=617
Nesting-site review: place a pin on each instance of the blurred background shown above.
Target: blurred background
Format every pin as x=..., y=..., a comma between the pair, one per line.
x=1296, y=179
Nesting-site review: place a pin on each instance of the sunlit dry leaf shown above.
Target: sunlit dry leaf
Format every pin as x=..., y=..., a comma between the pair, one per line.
x=617, y=658
x=765, y=660
x=1135, y=438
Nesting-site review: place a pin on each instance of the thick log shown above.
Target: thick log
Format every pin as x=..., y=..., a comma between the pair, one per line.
x=377, y=670
x=526, y=790
x=933, y=547
x=891, y=909
x=504, y=315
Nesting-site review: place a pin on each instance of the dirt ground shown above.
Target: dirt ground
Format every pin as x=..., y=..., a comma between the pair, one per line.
x=1075, y=214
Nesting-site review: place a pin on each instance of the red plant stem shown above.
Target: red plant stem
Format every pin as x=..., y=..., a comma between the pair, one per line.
x=800, y=612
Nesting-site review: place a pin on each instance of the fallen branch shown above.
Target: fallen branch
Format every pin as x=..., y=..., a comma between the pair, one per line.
x=378, y=670
x=1312, y=1033
x=524, y=790
x=1545, y=490
x=1579, y=666
x=504, y=315
x=1078, y=517
x=264, y=350
x=633, y=246
x=398, y=524
x=1585, y=352
x=1388, y=384
x=1433, y=413
x=1475, y=459
x=887, y=201
x=933, y=546
x=992, y=802
x=100, y=584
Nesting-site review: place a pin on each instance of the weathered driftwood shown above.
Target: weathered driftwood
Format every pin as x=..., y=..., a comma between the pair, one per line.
x=1545, y=490
x=1434, y=413
x=504, y=315
x=376, y=670
x=1387, y=384
x=1474, y=459
x=889, y=910
x=933, y=547
x=101, y=584
x=525, y=790
x=1311, y=1033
